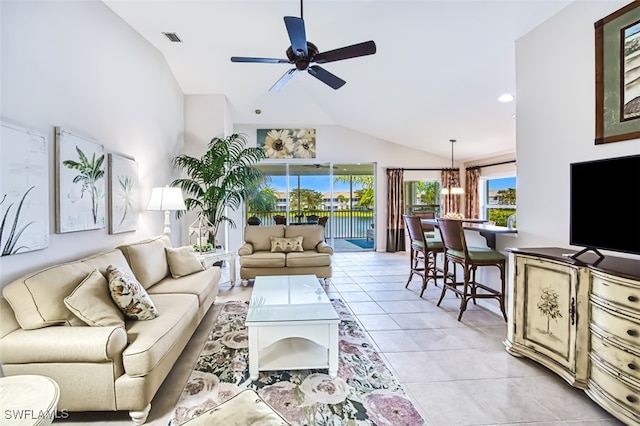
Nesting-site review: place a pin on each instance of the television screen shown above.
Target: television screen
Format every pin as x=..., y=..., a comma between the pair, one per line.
x=605, y=204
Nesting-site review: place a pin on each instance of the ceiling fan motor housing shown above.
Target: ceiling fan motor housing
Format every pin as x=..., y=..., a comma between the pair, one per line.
x=302, y=62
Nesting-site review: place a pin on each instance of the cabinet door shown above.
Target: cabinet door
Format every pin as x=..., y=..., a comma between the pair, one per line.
x=545, y=315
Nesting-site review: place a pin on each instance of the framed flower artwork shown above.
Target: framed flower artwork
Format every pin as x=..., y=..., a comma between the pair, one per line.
x=287, y=143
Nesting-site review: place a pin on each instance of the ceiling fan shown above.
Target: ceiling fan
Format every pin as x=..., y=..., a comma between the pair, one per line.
x=302, y=53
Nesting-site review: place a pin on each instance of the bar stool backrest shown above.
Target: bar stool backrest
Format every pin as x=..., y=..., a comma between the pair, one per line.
x=414, y=227
x=426, y=215
x=452, y=235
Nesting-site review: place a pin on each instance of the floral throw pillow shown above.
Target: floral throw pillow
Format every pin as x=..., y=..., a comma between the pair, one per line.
x=286, y=245
x=129, y=295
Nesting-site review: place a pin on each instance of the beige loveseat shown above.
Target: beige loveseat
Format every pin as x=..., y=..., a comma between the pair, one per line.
x=257, y=258
x=103, y=368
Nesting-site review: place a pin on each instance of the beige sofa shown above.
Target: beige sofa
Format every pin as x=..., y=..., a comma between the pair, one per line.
x=256, y=257
x=103, y=368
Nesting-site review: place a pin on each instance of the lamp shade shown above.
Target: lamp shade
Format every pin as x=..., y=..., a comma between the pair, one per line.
x=166, y=198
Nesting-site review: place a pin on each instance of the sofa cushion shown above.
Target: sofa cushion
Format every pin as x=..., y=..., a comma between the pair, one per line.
x=200, y=284
x=308, y=259
x=92, y=303
x=263, y=259
x=150, y=341
x=312, y=235
x=258, y=236
x=130, y=296
x=182, y=261
x=38, y=298
x=285, y=245
x=148, y=260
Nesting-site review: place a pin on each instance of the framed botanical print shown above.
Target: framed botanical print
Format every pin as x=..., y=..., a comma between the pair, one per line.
x=24, y=190
x=80, y=172
x=123, y=194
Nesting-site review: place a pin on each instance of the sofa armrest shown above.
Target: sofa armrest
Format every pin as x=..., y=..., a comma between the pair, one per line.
x=246, y=249
x=63, y=344
x=323, y=247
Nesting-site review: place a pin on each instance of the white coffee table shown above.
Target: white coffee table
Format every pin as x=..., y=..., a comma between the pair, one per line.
x=292, y=325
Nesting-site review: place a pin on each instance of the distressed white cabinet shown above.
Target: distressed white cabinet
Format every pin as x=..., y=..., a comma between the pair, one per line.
x=581, y=319
x=549, y=321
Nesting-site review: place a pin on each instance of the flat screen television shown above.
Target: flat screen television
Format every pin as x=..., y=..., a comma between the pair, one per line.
x=605, y=205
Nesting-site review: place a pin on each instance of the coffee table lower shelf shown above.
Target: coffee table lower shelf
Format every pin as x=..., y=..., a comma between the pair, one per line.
x=271, y=349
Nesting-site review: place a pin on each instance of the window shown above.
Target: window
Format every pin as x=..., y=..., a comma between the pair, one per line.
x=422, y=196
x=498, y=199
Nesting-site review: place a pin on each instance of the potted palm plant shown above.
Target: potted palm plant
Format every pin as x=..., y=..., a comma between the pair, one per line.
x=223, y=177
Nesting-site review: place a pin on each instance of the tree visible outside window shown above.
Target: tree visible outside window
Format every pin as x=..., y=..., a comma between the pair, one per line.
x=305, y=199
x=366, y=196
x=500, y=199
x=422, y=193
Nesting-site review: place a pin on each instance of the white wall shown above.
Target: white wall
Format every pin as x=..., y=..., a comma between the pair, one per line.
x=555, y=87
x=341, y=145
x=205, y=117
x=75, y=64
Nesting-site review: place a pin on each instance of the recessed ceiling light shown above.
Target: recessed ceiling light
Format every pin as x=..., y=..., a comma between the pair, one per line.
x=258, y=111
x=506, y=98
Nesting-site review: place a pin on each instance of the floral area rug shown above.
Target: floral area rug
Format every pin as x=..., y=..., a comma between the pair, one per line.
x=364, y=392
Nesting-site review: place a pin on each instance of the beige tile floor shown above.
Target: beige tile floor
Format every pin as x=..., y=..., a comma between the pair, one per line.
x=457, y=373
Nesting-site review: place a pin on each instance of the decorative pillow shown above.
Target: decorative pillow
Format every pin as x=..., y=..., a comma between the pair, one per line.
x=244, y=408
x=91, y=302
x=129, y=295
x=286, y=245
x=182, y=261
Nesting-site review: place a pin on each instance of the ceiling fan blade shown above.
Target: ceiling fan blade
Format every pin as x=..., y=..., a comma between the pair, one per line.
x=297, y=35
x=326, y=77
x=283, y=80
x=259, y=60
x=353, y=51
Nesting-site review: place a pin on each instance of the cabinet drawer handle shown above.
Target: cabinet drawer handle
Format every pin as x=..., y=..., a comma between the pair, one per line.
x=632, y=399
x=632, y=299
x=632, y=366
x=632, y=332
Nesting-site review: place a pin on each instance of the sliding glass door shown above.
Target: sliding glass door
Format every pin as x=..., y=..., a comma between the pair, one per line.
x=339, y=196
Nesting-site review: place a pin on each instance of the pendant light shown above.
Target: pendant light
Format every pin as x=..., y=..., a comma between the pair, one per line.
x=452, y=186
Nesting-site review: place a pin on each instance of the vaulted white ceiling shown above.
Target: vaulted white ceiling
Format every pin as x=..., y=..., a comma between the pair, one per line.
x=439, y=68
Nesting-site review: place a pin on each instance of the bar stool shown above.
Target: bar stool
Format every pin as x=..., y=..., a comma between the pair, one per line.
x=423, y=253
x=469, y=258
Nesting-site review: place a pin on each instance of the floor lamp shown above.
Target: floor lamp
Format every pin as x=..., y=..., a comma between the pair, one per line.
x=167, y=199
